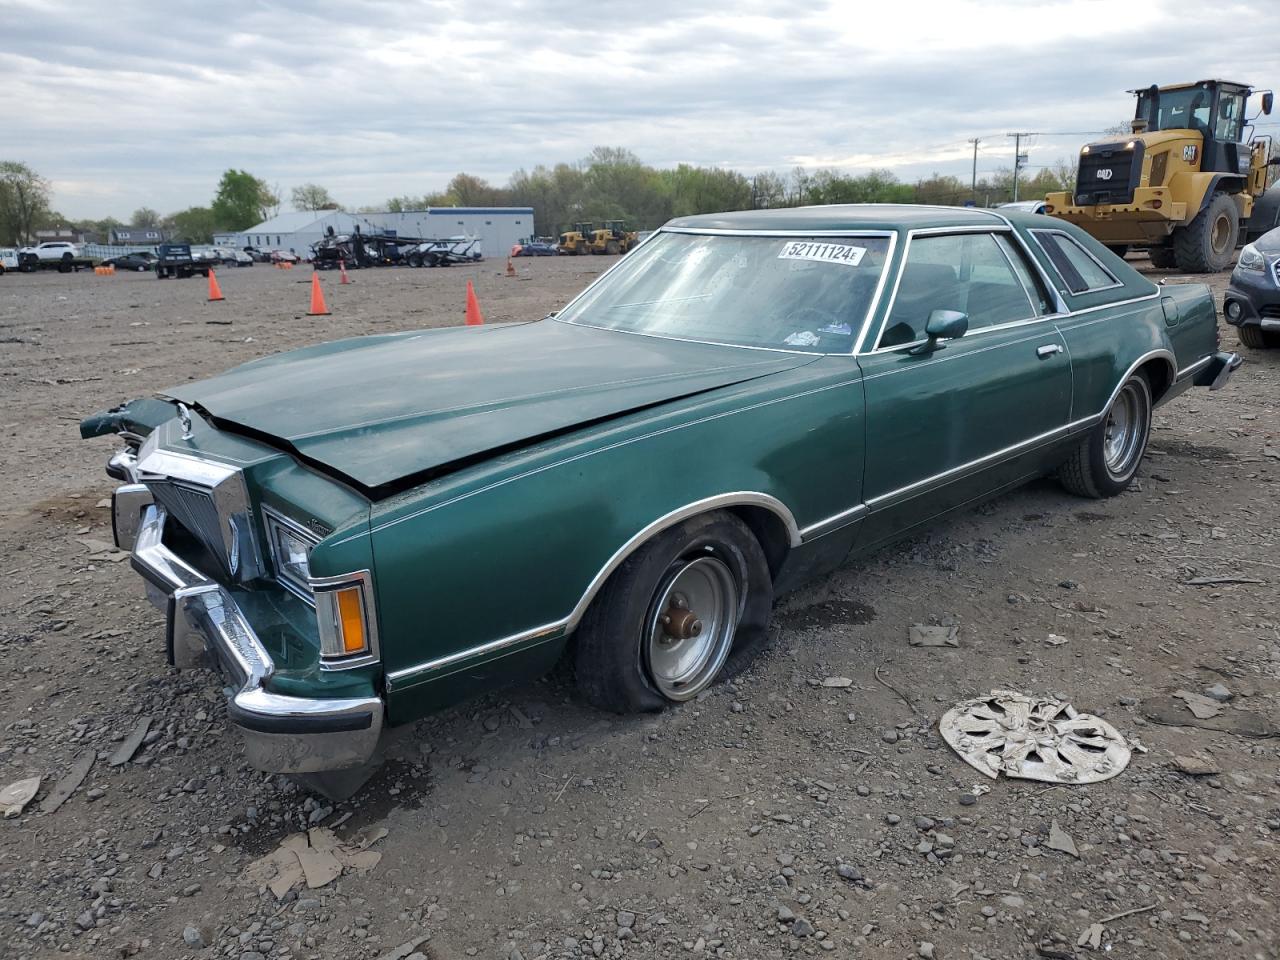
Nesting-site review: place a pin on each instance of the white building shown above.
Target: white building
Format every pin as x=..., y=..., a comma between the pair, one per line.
x=497, y=227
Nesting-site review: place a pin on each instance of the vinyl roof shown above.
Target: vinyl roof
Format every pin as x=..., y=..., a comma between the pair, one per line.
x=852, y=216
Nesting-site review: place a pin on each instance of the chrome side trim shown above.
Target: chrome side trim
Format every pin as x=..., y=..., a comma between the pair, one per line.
x=834, y=522
x=405, y=675
x=927, y=483
x=1194, y=368
x=1162, y=354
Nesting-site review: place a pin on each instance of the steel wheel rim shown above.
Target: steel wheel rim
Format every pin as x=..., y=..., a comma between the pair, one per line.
x=683, y=662
x=1122, y=433
x=1221, y=231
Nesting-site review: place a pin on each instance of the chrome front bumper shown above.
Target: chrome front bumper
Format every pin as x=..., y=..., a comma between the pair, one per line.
x=283, y=734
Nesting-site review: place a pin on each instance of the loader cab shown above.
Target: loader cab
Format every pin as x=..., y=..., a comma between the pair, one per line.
x=1212, y=108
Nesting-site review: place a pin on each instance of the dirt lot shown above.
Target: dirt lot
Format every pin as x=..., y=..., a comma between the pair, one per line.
x=774, y=817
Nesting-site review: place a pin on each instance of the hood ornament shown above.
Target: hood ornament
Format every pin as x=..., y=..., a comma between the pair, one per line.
x=184, y=415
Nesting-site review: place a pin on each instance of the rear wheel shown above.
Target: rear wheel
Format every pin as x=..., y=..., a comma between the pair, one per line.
x=1207, y=243
x=1257, y=338
x=1105, y=462
x=691, y=605
x=1162, y=258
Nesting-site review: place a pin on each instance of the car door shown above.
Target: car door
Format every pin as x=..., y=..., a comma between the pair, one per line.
x=947, y=425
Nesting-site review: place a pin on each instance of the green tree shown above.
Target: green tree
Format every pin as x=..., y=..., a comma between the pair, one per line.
x=24, y=201
x=242, y=201
x=145, y=217
x=312, y=196
x=194, y=225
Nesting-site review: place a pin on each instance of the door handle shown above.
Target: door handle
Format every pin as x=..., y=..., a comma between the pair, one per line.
x=1048, y=350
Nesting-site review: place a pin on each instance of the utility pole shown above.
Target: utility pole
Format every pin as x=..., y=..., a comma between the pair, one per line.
x=973, y=189
x=1018, y=158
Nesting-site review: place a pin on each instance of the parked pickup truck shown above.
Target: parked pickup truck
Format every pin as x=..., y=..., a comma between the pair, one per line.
x=176, y=260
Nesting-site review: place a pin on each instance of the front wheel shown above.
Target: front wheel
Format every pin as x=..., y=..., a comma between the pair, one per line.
x=1105, y=462
x=1207, y=243
x=691, y=605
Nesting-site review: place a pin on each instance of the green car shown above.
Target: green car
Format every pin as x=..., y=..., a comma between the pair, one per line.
x=366, y=531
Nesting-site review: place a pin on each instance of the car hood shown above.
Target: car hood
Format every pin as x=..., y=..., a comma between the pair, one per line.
x=381, y=410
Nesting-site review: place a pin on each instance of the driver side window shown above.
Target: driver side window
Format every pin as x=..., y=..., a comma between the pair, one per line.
x=965, y=272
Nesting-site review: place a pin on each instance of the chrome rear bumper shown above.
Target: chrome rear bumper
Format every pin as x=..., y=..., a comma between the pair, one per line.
x=283, y=734
x=1218, y=370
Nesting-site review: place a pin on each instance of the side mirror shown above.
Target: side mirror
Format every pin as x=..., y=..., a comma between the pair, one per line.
x=943, y=325
x=1268, y=101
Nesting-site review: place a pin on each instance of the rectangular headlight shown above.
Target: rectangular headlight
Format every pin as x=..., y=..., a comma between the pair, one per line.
x=345, y=619
x=290, y=552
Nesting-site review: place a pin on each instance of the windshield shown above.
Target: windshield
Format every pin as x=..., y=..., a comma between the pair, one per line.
x=1185, y=109
x=783, y=293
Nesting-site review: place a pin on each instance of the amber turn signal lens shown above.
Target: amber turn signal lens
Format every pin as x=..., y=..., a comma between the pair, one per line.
x=351, y=618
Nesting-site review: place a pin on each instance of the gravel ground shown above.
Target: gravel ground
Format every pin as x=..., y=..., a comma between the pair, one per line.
x=772, y=817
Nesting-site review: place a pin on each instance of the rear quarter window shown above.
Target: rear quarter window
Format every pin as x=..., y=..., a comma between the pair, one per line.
x=1079, y=269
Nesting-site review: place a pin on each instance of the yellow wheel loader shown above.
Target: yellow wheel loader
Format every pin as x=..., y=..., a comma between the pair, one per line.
x=1185, y=184
x=578, y=241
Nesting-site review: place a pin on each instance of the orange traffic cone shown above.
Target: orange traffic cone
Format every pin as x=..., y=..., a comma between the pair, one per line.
x=318, y=309
x=474, y=317
x=511, y=269
x=215, y=292
x=342, y=265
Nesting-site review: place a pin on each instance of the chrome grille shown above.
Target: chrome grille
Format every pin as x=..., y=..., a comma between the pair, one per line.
x=193, y=508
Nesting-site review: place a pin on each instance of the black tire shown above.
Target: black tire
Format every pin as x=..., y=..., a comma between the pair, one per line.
x=1208, y=243
x=1257, y=338
x=67, y=257
x=1119, y=249
x=1095, y=468
x=1162, y=258
x=612, y=248
x=614, y=639
x=431, y=260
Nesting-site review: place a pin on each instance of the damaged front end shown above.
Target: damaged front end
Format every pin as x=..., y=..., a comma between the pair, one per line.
x=192, y=510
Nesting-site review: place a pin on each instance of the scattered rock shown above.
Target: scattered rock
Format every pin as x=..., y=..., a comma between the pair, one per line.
x=1061, y=841
x=926, y=635
x=1219, y=692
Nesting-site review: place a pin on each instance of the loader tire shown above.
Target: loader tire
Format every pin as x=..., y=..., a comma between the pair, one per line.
x=1162, y=258
x=1207, y=243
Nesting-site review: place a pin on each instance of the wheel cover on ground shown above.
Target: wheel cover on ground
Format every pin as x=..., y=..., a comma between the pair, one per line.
x=691, y=626
x=1122, y=433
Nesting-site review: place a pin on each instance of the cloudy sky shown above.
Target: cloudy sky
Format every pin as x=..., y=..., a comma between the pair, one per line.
x=139, y=103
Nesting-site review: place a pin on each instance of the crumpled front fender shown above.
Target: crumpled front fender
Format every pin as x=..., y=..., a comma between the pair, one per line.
x=137, y=417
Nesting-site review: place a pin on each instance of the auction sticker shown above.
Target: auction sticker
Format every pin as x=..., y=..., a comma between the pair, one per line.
x=843, y=253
